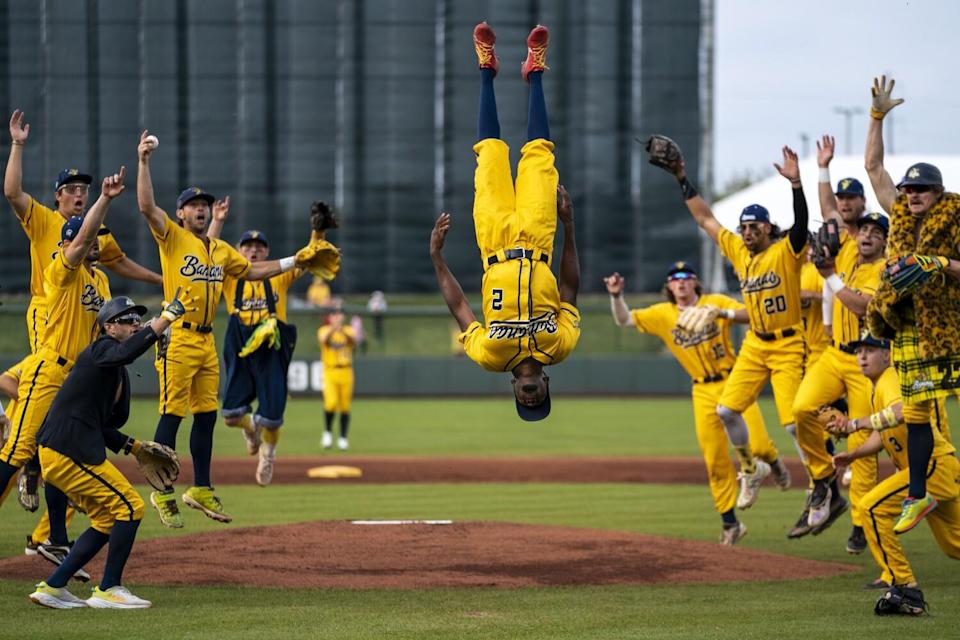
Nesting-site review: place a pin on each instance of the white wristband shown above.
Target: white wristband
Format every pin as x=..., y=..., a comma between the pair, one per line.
x=727, y=313
x=835, y=283
x=824, y=175
x=288, y=263
x=2, y=412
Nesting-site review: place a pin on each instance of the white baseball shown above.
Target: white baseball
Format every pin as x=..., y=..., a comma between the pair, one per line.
x=153, y=140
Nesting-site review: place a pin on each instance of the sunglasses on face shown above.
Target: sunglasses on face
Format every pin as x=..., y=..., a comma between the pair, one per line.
x=126, y=320
x=916, y=188
x=75, y=189
x=681, y=276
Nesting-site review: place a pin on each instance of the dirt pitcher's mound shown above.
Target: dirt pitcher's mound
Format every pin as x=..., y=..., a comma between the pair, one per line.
x=417, y=556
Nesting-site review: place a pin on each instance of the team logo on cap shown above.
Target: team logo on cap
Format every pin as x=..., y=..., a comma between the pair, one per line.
x=680, y=265
x=845, y=184
x=913, y=173
x=255, y=235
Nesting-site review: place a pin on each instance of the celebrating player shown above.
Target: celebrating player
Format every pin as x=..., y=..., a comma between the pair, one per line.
x=531, y=321
x=188, y=367
x=85, y=418
x=881, y=506
x=769, y=272
x=707, y=354
x=918, y=301
x=337, y=344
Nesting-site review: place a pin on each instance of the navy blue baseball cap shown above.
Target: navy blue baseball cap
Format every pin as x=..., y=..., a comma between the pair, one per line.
x=252, y=235
x=878, y=219
x=849, y=187
x=119, y=308
x=539, y=412
x=754, y=213
x=867, y=340
x=192, y=193
x=922, y=174
x=71, y=175
x=71, y=228
x=681, y=271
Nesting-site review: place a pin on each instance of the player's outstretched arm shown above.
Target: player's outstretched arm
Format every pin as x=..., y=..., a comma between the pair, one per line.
x=221, y=209
x=569, y=260
x=666, y=154
x=449, y=287
x=129, y=268
x=156, y=217
x=112, y=187
x=618, y=306
x=881, y=105
x=871, y=447
x=13, y=177
x=801, y=216
x=828, y=201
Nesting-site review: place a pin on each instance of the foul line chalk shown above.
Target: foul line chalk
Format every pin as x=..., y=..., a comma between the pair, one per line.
x=401, y=522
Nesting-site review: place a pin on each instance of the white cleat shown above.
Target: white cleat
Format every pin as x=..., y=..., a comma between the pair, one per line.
x=750, y=485
x=252, y=439
x=326, y=441
x=732, y=535
x=342, y=444
x=56, y=598
x=117, y=597
x=264, y=473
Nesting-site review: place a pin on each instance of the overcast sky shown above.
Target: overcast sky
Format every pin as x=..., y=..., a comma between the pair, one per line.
x=782, y=67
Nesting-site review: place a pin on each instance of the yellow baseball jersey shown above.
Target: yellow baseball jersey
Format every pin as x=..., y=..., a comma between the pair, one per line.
x=811, y=311
x=886, y=393
x=43, y=226
x=859, y=278
x=705, y=355
x=74, y=297
x=201, y=264
x=339, y=352
x=253, y=305
x=769, y=281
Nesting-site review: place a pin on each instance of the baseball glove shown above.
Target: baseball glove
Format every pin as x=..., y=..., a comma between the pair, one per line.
x=696, y=319
x=832, y=419
x=665, y=153
x=901, y=601
x=913, y=271
x=322, y=216
x=828, y=237
x=266, y=332
x=320, y=258
x=158, y=463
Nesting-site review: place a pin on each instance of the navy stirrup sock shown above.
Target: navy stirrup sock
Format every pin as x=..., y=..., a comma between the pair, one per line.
x=201, y=446
x=166, y=432
x=919, y=450
x=84, y=549
x=57, y=512
x=538, y=125
x=121, y=542
x=488, y=125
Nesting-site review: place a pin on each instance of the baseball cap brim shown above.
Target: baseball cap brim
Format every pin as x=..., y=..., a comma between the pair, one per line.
x=85, y=178
x=138, y=308
x=209, y=199
x=871, y=342
x=532, y=414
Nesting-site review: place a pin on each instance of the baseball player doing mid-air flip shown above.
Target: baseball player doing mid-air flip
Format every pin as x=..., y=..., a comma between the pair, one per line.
x=769, y=273
x=188, y=367
x=531, y=320
x=705, y=351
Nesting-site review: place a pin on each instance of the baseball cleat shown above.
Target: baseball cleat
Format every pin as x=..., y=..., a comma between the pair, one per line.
x=264, y=473
x=57, y=553
x=56, y=598
x=326, y=441
x=251, y=437
x=846, y=478
x=879, y=583
x=914, y=510
x=483, y=41
x=342, y=444
x=781, y=475
x=203, y=499
x=31, y=548
x=117, y=597
x=820, y=502
x=536, y=52
x=750, y=485
x=838, y=507
x=166, y=505
x=802, y=527
x=28, y=489
x=857, y=542
x=732, y=534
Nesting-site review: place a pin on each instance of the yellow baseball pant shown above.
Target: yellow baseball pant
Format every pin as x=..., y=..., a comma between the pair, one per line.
x=779, y=361
x=834, y=375
x=882, y=505
x=36, y=322
x=100, y=489
x=41, y=379
x=505, y=217
x=337, y=389
x=189, y=374
x=715, y=446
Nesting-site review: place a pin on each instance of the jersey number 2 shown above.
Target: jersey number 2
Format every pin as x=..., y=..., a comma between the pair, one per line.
x=497, y=302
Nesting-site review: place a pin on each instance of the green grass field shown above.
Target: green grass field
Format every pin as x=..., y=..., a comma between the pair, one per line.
x=837, y=607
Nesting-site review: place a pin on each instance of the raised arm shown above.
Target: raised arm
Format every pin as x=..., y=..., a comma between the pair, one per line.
x=882, y=104
x=449, y=287
x=791, y=171
x=828, y=201
x=618, y=306
x=221, y=208
x=666, y=154
x=112, y=187
x=569, y=261
x=156, y=217
x=13, y=177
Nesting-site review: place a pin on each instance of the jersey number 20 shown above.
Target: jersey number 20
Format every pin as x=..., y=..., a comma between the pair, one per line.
x=775, y=305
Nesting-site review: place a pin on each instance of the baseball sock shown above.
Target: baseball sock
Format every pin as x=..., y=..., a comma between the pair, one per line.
x=488, y=125
x=121, y=542
x=328, y=417
x=538, y=125
x=11, y=483
x=57, y=513
x=739, y=436
x=167, y=430
x=201, y=446
x=919, y=450
x=835, y=483
x=792, y=430
x=270, y=438
x=729, y=518
x=84, y=549
x=344, y=424
x=7, y=474
x=246, y=423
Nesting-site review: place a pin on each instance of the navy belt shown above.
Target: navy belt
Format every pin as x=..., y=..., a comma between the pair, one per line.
x=768, y=337
x=199, y=328
x=62, y=361
x=517, y=254
x=717, y=377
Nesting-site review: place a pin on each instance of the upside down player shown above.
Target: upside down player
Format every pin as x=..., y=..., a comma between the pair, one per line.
x=707, y=356
x=531, y=321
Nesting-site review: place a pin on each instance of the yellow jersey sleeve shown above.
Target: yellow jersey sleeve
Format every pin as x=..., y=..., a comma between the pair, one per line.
x=235, y=265
x=110, y=251
x=35, y=222
x=649, y=320
x=732, y=247
x=60, y=273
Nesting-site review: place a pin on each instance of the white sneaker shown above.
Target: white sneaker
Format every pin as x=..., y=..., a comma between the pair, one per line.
x=56, y=598
x=846, y=478
x=732, y=535
x=327, y=440
x=750, y=485
x=342, y=444
x=117, y=597
x=252, y=438
x=820, y=502
x=265, y=465
x=781, y=475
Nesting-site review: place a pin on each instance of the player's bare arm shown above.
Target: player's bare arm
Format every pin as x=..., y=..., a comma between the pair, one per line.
x=618, y=306
x=790, y=169
x=872, y=446
x=828, y=201
x=111, y=187
x=450, y=289
x=569, y=283
x=882, y=104
x=740, y=316
x=133, y=270
x=156, y=217
x=852, y=300
x=666, y=154
x=221, y=210
x=13, y=177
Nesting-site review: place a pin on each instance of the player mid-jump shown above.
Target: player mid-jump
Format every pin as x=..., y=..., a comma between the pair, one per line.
x=531, y=321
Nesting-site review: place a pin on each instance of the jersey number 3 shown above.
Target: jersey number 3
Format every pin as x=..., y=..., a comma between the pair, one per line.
x=497, y=302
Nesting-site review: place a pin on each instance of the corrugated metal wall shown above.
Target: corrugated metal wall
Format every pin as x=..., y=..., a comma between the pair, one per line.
x=371, y=105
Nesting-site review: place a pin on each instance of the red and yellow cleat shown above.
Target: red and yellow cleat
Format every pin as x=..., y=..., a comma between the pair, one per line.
x=536, y=51
x=483, y=41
